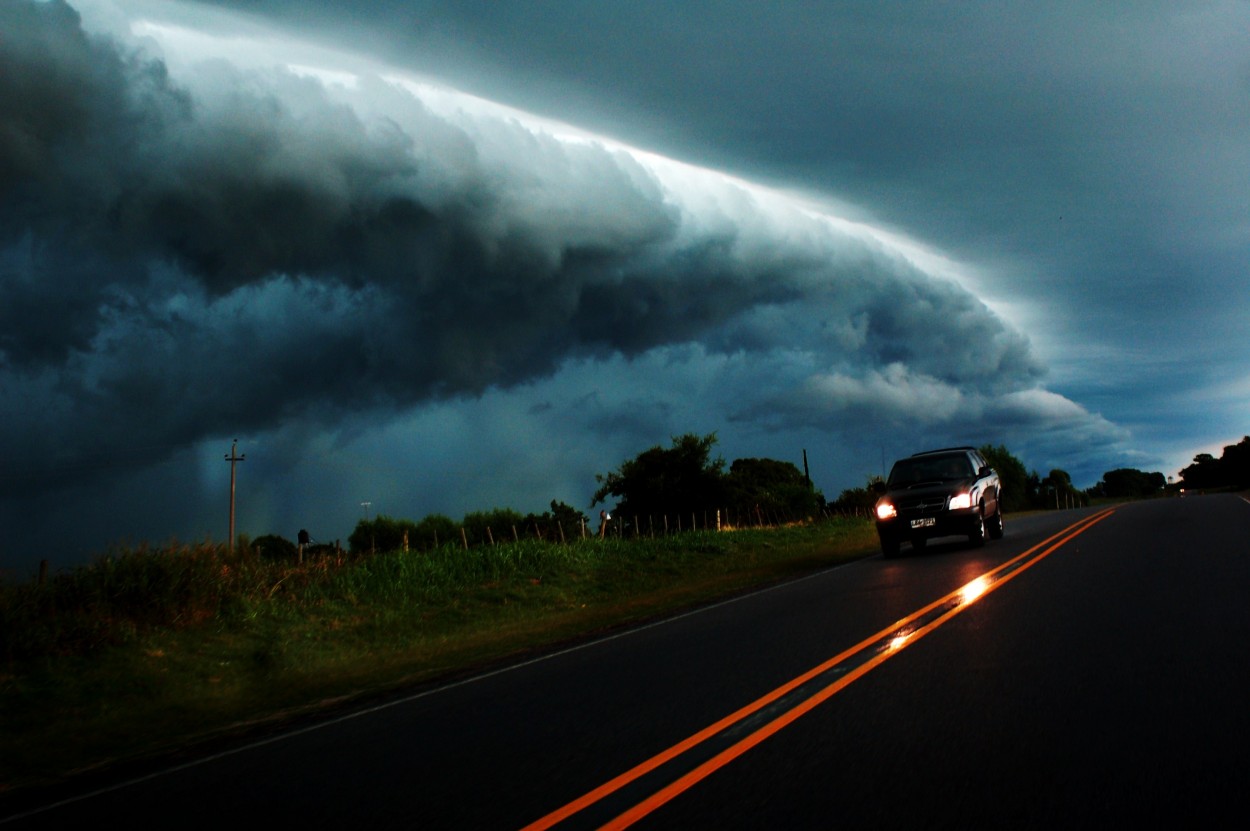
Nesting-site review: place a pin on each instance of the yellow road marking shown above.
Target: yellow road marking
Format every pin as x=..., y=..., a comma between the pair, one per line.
x=960, y=598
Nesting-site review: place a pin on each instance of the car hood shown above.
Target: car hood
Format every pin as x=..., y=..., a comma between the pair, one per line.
x=928, y=493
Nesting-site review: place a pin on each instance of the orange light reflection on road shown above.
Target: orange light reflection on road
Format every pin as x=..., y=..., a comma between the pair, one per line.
x=899, y=640
x=974, y=590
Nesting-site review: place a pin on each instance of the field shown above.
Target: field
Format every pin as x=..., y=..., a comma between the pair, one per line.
x=158, y=652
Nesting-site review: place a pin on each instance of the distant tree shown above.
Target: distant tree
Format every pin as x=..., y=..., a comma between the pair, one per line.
x=1232, y=469
x=482, y=526
x=676, y=480
x=434, y=530
x=1205, y=472
x=773, y=487
x=1011, y=475
x=382, y=533
x=1058, y=488
x=273, y=547
x=1033, y=496
x=859, y=501
x=567, y=515
x=562, y=518
x=1129, y=483
x=1236, y=459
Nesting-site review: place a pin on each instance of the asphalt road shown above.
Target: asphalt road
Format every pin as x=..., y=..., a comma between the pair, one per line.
x=1089, y=677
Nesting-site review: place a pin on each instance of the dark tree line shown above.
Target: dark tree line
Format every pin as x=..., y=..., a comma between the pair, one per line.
x=1128, y=483
x=1231, y=470
x=384, y=533
x=685, y=480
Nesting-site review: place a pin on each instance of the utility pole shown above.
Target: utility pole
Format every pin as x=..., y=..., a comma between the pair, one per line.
x=232, y=459
x=372, y=533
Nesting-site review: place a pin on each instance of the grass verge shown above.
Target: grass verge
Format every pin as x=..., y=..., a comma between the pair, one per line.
x=149, y=654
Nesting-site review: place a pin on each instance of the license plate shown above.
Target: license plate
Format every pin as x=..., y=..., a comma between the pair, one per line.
x=923, y=522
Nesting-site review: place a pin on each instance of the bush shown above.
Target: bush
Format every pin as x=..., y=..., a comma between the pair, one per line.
x=381, y=533
x=481, y=526
x=273, y=547
x=433, y=531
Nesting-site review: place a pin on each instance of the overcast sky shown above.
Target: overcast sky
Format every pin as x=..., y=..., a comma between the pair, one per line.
x=439, y=257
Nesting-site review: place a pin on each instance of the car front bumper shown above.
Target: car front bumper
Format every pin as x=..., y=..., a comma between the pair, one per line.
x=910, y=526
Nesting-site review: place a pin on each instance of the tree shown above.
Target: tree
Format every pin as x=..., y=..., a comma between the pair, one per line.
x=1011, y=475
x=677, y=480
x=496, y=524
x=860, y=501
x=1129, y=483
x=1033, y=490
x=1232, y=469
x=776, y=488
x=382, y=533
x=273, y=547
x=1058, y=483
x=562, y=518
x=433, y=531
x=1203, y=473
x=1236, y=459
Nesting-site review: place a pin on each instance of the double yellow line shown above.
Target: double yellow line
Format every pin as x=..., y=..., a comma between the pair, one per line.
x=802, y=694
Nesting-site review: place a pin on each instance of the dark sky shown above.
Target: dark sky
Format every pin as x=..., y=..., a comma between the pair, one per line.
x=444, y=257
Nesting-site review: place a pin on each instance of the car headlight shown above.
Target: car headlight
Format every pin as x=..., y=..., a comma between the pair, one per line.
x=885, y=510
x=960, y=500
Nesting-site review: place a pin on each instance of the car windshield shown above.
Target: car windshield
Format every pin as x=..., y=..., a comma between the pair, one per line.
x=911, y=472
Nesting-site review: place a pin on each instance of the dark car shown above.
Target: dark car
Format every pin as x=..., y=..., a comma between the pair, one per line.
x=939, y=493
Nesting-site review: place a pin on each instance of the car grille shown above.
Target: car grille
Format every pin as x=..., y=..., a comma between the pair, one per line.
x=922, y=505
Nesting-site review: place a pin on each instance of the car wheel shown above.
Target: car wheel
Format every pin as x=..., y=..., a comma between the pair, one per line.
x=889, y=548
x=996, y=525
x=977, y=537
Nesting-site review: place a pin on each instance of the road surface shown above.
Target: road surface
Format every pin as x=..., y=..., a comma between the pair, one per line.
x=1089, y=668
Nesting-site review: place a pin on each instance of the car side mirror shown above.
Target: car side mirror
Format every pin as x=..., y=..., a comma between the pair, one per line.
x=878, y=487
x=985, y=470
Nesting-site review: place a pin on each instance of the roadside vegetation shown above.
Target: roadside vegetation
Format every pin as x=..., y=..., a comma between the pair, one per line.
x=152, y=651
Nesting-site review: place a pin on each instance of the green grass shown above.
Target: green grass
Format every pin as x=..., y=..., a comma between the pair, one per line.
x=152, y=651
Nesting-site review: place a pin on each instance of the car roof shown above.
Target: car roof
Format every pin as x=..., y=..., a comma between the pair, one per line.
x=943, y=450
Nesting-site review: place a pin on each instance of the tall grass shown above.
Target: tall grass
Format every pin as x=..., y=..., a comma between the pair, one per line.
x=127, y=593
x=146, y=648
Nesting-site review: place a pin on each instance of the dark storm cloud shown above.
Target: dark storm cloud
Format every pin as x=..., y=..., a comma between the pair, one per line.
x=1093, y=155
x=237, y=248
